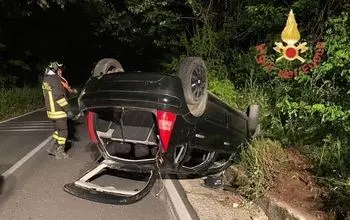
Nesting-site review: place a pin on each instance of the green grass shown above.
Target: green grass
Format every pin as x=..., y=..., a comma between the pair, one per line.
x=261, y=160
x=17, y=101
x=332, y=170
x=254, y=95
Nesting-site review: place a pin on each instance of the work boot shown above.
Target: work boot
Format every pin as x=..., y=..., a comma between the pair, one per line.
x=51, y=150
x=60, y=154
x=72, y=139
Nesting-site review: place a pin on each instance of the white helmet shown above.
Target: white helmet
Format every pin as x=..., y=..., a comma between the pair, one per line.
x=54, y=66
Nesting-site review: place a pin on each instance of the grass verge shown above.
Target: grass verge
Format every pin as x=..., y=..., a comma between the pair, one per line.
x=17, y=101
x=261, y=161
x=333, y=171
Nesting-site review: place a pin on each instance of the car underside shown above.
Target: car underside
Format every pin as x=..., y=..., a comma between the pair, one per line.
x=158, y=124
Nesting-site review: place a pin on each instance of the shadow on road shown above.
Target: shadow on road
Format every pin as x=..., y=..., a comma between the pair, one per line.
x=7, y=187
x=72, y=136
x=1, y=184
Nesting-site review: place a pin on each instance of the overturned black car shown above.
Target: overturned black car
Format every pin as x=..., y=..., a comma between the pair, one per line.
x=158, y=123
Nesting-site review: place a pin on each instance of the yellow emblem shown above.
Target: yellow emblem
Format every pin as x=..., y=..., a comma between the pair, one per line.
x=290, y=35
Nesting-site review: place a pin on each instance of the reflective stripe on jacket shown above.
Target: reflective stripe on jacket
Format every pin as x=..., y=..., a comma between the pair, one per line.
x=55, y=99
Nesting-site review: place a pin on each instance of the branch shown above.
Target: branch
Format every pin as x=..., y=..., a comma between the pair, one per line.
x=191, y=18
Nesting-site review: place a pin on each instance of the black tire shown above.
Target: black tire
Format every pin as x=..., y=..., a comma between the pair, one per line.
x=106, y=66
x=253, y=113
x=194, y=78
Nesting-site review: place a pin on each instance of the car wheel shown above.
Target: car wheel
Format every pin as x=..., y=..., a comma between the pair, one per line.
x=106, y=66
x=193, y=75
x=253, y=113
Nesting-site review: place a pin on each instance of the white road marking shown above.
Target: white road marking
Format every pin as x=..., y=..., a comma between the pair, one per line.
x=26, y=122
x=21, y=115
x=179, y=206
x=27, y=126
x=6, y=125
x=26, y=130
x=24, y=159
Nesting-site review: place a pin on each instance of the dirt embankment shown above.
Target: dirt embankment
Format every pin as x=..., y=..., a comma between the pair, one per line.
x=293, y=192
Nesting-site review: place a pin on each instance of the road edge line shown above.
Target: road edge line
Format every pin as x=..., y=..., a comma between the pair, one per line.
x=24, y=159
x=19, y=116
x=177, y=203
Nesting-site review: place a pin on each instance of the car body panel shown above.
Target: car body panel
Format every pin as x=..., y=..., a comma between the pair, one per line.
x=221, y=129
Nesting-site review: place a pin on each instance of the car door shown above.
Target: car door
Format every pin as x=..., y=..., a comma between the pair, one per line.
x=211, y=131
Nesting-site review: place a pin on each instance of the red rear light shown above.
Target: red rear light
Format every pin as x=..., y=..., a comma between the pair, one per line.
x=165, y=121
x=91, y=129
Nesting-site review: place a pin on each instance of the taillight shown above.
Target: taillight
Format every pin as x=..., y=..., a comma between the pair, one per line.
x=165, y=121
x=91, y=129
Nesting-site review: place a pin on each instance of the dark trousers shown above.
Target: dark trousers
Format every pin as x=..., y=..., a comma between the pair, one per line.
x=71, y=129
x=61, y=131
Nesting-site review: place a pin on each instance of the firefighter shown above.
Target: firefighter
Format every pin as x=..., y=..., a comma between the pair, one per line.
x=57, y=108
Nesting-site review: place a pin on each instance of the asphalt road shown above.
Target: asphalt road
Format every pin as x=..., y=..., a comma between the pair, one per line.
x=19, y=136
x=35, y=189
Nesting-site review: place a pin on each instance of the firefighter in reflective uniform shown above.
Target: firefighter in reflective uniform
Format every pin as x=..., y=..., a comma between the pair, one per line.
x=57, y=108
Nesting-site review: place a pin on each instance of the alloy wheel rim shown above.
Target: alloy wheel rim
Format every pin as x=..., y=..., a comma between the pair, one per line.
x=198, y=83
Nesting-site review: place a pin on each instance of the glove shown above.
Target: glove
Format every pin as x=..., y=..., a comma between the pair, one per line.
x=70, y=114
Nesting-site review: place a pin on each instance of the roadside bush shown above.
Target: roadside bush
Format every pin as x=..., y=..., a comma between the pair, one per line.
x=205, y=44
x=314, y=110
x=224, y=89
x=7, y=81
x=16, y=101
